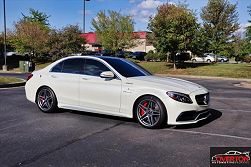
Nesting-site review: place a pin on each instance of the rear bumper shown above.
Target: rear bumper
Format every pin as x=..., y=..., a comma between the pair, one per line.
x=30, y=91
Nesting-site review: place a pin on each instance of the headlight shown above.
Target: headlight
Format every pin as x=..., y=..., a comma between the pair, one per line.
x=181, y=97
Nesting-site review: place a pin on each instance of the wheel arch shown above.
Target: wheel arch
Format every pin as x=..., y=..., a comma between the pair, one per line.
x=138, y=98
x=43, y=86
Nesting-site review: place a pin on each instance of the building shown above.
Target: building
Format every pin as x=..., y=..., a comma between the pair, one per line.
x=91, y=41
x=140, y=37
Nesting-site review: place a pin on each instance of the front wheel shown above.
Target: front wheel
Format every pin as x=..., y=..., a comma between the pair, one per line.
x=46, y=100
x=151, y=112
x=209, y=61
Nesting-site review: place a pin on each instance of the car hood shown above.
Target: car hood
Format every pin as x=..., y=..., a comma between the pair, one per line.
x=166, y=83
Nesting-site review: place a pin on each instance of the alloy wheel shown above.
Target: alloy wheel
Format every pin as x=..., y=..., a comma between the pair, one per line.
x=45, y=99
x=148, y=112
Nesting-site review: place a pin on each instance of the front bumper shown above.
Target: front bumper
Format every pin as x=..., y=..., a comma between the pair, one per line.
x=182, y=113
x=191, y=116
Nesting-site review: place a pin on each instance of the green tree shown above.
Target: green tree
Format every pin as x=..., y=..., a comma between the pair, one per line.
x=65, y=42
x=37, y=16
x=114, y=31
x=30, y=37
x=199, y=44
x=31, y=34
x=248, y=32
x=1, y=44
x=174, y=28
x=220, y=21
x=241, y=47
x=9, y=47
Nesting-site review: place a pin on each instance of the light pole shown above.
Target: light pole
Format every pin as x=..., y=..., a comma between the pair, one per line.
x=84, y=16
x=4, y=41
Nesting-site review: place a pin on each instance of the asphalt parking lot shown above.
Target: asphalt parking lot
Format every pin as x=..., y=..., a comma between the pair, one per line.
x=29, y=137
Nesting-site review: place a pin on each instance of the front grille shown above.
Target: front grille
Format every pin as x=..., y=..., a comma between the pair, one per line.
x=202, y=99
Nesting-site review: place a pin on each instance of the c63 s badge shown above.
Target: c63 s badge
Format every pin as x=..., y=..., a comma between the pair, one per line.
x=230, y=156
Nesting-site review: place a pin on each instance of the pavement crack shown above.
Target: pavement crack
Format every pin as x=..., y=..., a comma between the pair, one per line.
x=83, y=137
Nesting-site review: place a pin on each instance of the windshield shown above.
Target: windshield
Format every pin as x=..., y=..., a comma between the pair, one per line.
x=126, y=68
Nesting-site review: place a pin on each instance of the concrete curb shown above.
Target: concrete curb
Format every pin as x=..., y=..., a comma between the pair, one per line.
x=13, y=72
x=205, y=77
x=15, y=84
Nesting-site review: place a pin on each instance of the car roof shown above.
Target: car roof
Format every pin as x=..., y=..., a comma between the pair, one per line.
x=102, y=58
x=94, y=57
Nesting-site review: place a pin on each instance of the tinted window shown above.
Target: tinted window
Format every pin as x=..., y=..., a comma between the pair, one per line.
x=94, y=67
x=73, y=65
x=57, y=68
x=126, y=68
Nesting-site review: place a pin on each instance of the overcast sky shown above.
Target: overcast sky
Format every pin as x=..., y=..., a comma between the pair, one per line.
x=64, y=12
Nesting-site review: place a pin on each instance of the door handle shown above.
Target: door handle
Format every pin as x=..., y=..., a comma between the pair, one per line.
x=53, y=76
x=84, y=78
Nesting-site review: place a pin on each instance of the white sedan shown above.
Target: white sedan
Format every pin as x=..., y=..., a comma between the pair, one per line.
x=118, y=87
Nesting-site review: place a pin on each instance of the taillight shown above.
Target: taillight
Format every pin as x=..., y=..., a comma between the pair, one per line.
x=29, y=76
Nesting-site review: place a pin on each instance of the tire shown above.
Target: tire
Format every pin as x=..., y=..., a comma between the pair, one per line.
x=150, y=112
x=194, y=60
x=208, y=60
x=46, y=100
x=222, y=61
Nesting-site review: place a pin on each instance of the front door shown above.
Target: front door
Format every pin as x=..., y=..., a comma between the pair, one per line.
x=96, y=93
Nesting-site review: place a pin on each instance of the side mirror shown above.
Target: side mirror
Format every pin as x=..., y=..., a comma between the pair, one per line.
x=107, y=74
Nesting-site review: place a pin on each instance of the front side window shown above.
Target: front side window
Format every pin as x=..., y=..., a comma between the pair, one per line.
x=126, y=68
x=94, y=67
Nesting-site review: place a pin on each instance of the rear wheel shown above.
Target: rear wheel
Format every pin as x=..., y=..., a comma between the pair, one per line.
x=209, y=61
x=46, y=100
x=151, y=112
x=194, y=60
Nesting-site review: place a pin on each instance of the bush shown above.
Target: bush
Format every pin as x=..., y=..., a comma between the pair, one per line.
x=133, y=60
x=151, y=56
x=247, y=59
x=180, y=57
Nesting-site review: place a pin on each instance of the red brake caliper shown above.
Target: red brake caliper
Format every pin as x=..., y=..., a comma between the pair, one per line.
x=142, y=112
x=42, y=99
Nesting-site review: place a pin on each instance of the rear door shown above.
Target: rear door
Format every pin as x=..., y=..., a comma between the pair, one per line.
x=64, y=80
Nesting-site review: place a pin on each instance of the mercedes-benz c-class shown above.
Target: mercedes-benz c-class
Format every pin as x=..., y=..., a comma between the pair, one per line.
x=119, y=87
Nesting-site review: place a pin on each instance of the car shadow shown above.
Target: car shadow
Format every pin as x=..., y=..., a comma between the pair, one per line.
x=215, y=114
x=98, y=115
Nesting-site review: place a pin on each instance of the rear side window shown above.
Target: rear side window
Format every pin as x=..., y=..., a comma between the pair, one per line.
x=73, y=66
x=57, y=68
x=94, y=67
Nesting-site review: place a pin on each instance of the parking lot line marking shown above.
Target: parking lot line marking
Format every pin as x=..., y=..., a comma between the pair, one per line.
x=210, y=134
x=247, y=111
